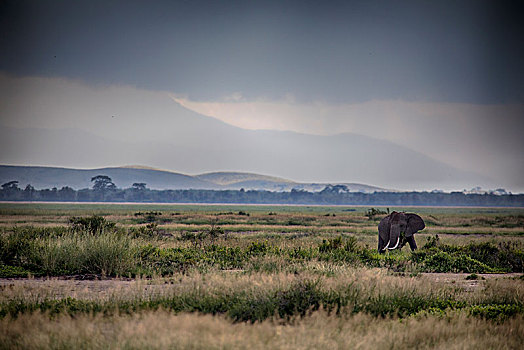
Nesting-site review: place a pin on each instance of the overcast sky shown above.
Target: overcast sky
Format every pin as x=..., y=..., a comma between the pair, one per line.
x=441, y=77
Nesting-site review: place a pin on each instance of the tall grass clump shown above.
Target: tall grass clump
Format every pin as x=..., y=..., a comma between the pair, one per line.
x=83, y=253
x=107, y=253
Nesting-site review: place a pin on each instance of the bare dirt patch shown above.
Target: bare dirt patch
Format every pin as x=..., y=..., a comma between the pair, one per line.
x=460, y=280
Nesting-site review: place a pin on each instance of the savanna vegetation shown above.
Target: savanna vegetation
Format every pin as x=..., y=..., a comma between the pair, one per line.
x=181, y=276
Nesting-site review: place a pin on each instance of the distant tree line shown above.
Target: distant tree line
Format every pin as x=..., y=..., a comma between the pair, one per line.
x=104, y=190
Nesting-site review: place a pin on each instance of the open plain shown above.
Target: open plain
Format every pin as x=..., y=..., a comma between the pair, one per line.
x=125, y=276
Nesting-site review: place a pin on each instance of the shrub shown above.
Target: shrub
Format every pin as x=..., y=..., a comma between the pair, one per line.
x=444, y=262
x=258, y=248
x=431, y=242
x=167, y=261
x=439, y=262
x=148, y=216
x=7, y=271
x=473, y=277
x=331, y=244
x=349, y=245
x=93, y=224
x=372, y=212
x=464, y=263
x=300, y=253
x=497, y=313
x=14, y=246
x=504, y=256
x=225, y=258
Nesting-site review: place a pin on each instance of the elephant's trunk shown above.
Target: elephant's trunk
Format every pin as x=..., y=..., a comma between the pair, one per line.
x=394, y=237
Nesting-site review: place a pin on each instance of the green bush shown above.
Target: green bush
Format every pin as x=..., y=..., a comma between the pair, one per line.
x=258, y=248
x=431, y=242
x=444, y=262
x=473, y=277
x=14, y=246
x=464, y=263
x=504, y=256
x=496, y=312
x=7, y=271
x=349, y=244
x=330, y=244
x=300, y=253
x=439, y=262
x=473, y=258
x=167, y=261
x=225, y=258
x=93, y=224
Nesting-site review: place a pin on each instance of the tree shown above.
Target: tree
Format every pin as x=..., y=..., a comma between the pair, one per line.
x=11, y=185
x=29, y=191
x=139, y=186
x=102, y=183
x=336, y=189
x=66, y=193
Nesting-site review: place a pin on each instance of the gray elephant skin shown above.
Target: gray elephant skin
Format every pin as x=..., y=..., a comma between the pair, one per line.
x=397, y=229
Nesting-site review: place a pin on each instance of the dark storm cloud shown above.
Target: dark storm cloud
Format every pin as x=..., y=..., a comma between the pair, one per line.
x=467, y=51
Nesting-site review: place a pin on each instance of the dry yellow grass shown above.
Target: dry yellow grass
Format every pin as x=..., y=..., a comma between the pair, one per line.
x=331, y=276
x=164, y=330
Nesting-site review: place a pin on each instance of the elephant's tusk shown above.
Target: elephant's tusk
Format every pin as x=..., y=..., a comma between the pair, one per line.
x=396, y=245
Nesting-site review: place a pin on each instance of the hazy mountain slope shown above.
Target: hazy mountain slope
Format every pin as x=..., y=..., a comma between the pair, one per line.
x=237, y=180
x=48, y=177
x=353, y=187
x=306, y=158
x=228, y=178
x=120, y=125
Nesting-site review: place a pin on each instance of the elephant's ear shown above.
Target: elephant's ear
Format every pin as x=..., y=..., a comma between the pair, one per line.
x=415, y=223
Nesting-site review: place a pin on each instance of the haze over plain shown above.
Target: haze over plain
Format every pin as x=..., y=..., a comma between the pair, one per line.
x=407, y=95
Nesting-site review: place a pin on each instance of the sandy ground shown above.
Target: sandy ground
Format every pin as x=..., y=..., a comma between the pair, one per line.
x=78, y=287
x=459, y=279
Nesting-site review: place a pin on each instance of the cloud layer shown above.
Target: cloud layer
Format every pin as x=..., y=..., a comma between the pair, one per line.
x=483, y=138
x=68, y=123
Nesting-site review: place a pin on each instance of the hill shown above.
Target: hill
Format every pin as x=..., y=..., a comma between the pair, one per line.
x=238, y=180
x=123, y=177
x=49, y=177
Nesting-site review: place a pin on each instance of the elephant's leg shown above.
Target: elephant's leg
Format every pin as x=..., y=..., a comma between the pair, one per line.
x=412, y=243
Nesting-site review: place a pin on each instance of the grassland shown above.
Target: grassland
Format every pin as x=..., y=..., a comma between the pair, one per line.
x=182, y=276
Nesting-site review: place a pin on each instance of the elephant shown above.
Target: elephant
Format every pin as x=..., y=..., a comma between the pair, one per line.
x=397, y=229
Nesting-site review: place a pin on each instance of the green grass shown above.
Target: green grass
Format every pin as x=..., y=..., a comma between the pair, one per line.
x=109, y=208
x=115, y=251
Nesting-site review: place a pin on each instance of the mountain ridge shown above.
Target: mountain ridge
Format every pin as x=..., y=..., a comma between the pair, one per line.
x=48, y=177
